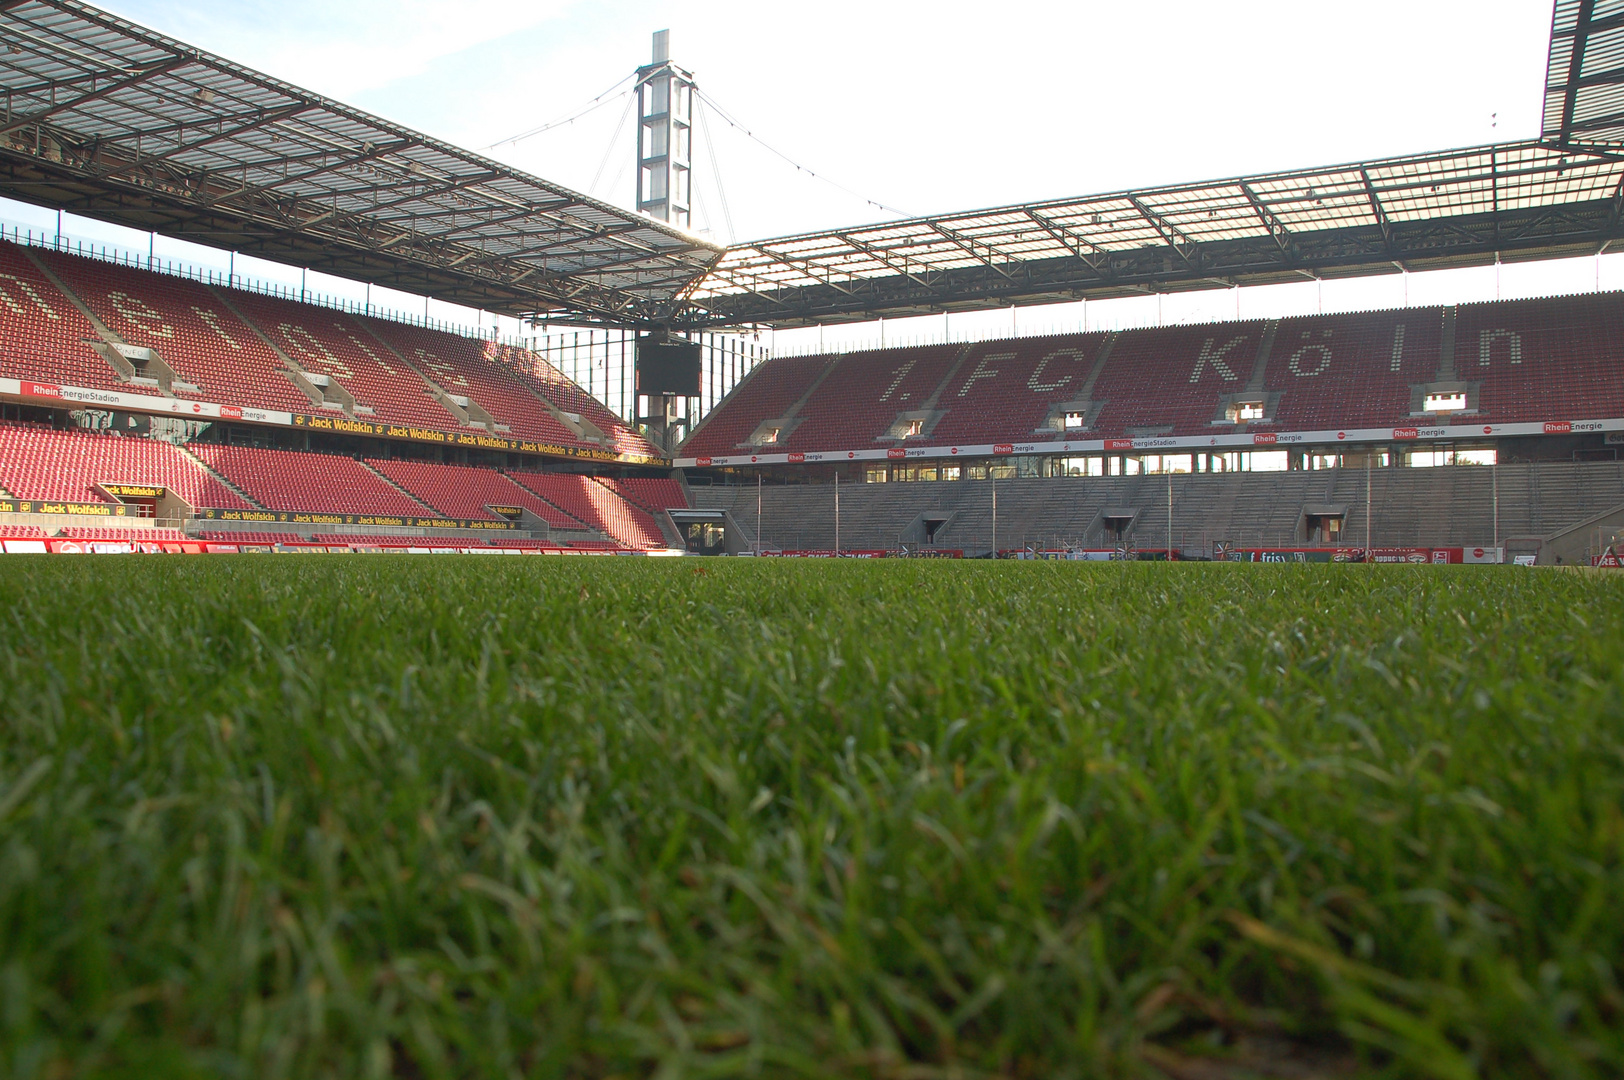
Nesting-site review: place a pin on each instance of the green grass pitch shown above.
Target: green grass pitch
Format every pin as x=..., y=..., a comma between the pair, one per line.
x=457, y=817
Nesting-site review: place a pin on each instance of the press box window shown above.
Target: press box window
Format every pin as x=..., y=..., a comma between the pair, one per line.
x=910, y=428
x=1074, y=420
x=1242, y=411
x=769, y=436
x=1451, y=402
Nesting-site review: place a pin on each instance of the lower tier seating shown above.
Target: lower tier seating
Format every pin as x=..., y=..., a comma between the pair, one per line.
x=584, y=498
x=650, y=493
x=130, y=533
x=253, y=537
x=292, y=480
x=461, y=491
x=45, y=464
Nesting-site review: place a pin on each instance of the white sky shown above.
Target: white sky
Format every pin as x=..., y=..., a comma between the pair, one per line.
x=940, y=106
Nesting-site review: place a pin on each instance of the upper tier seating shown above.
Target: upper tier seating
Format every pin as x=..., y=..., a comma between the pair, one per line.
x=1553, y=359
x=460, y=367
x=546, y=380
x=330, y=343
x=1004, y=389
x=187, y=325
x=767, y=393
x=129, y=533
x=462, y=491
x=1533, y=360
x=1336, y=371
x=1171, y=378
x=382, y=364
x=44, y=464
x=650, y=493
x=584, y=498
x=43, y=337
x=292, y=480
x=859, y=400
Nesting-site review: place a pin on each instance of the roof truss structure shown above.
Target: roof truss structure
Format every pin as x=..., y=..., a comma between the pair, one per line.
x=1514, y=201
x=1584, y=78
x=110, y=120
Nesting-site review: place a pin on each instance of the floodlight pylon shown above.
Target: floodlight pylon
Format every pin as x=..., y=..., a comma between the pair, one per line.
x=665, y=112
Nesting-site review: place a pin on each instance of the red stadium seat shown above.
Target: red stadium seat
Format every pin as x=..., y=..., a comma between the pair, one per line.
x=44, y=464
x=461, y=491
x=318, y=483
x=584, y=498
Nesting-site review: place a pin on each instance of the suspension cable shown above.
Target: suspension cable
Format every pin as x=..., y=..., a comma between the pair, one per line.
x=738, y=125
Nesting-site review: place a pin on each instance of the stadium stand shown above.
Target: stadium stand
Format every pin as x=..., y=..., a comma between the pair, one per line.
x=1424, y=507
x=767, y=393
x=460, y=367
x=45, y=338
x=329, y=343
x=1526, y=360
x=188, y=326
x=319, y=483
x=649, y=493
x=94, y=533
x=1558, y=358
x=462, y=491
x=1004, y=390
x=600, y=508
x=895, y=380
x=544, y=379
x=1334, y=371
x=46, y=464
x=1169, y=380
x=22, y=532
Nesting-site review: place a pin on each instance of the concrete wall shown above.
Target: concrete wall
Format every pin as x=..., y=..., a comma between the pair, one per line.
x=1451, y=506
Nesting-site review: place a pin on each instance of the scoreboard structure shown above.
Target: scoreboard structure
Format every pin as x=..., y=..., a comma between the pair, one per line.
x=668, y=374
x=667, y=367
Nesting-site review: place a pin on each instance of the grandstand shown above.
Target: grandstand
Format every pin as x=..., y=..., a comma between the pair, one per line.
x=1513, y=362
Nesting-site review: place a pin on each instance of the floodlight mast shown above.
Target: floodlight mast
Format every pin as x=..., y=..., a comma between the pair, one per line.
x=665, y=114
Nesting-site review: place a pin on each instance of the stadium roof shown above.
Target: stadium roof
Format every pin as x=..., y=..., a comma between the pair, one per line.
x=110, y=120
x=1466, y=207
x=1584, y=79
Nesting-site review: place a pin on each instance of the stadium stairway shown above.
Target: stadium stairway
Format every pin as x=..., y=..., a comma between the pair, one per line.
x=427, y=509
x=221, y=478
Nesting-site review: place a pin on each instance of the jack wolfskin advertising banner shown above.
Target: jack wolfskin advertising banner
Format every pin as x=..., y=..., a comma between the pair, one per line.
x=299, y=518
x=133, y=491
x=32, y=506
x=347, y=425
